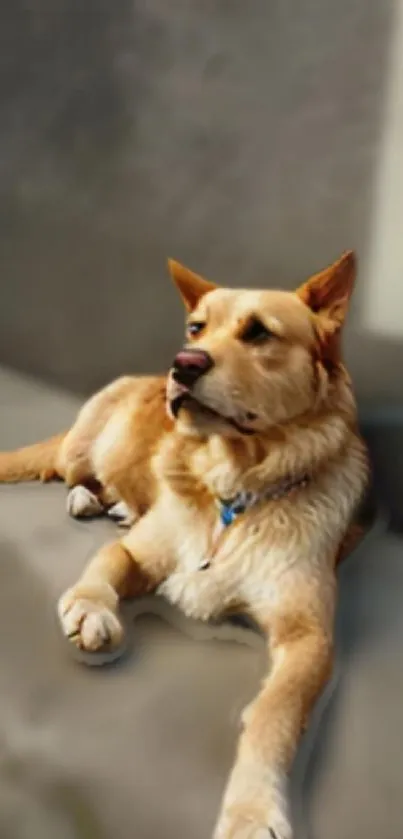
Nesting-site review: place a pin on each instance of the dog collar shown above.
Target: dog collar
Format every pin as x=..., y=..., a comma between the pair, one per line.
x=231, y=508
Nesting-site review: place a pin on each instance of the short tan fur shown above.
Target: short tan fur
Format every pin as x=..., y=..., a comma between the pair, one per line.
x=274, y=404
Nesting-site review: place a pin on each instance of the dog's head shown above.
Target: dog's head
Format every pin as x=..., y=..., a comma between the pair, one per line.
x=256, y=359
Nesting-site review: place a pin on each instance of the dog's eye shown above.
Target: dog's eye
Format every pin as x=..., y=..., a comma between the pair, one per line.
x=195, y=327
x=255, y=332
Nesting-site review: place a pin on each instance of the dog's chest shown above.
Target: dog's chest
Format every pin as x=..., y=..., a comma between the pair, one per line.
x=219, y=567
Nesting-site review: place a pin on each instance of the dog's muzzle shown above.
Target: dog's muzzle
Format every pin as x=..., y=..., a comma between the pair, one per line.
x=189, y=365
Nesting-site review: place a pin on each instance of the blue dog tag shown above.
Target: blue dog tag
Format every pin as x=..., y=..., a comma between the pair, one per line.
x=227, y=515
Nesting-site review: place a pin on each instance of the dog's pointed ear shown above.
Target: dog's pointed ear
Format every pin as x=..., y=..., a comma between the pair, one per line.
x=328, y=293
x=191, y=286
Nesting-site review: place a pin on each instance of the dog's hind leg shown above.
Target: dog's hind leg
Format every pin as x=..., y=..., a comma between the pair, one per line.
x=83, y=503
x=89, y=499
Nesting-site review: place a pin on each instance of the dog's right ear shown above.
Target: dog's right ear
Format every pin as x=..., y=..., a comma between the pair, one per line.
x=191, y=286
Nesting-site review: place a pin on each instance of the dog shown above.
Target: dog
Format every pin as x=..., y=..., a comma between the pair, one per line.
x=238, y=476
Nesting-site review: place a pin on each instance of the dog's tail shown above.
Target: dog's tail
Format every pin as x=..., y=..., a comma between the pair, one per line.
x=32, y=463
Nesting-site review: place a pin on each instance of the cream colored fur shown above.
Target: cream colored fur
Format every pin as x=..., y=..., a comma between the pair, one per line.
x=280, y=406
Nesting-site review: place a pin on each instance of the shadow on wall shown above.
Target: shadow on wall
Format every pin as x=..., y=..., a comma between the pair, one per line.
x=242, y=140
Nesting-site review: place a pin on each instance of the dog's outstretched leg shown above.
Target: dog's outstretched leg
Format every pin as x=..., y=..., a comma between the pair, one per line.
x=255, y=801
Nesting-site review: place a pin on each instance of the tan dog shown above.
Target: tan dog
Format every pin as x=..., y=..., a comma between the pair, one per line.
x=240, y=497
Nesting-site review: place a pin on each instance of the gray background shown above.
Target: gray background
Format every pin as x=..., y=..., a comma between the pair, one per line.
x=242, y=138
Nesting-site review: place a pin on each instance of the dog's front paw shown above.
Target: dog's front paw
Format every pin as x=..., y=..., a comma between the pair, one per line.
x=254, y=807
x=89, y=622
x=243, y=821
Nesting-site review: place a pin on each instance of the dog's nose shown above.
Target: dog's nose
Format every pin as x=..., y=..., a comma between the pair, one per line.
x=189, y=365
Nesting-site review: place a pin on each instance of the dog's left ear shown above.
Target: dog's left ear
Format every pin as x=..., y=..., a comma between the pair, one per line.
x=328, y=293
x=191, y=286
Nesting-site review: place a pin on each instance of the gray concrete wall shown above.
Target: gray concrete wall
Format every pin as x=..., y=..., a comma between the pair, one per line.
x=244, y=138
